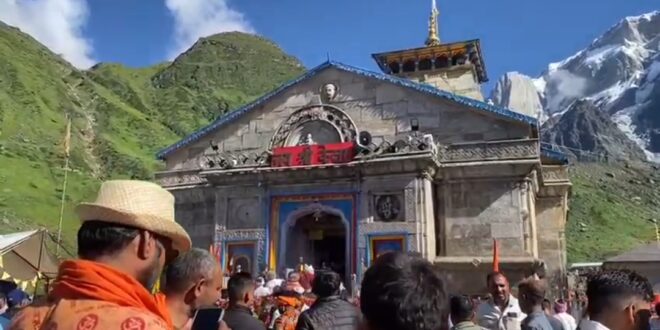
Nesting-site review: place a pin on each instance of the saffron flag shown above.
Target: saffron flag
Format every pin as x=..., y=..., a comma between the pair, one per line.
x=67, y=139
x=496, y=257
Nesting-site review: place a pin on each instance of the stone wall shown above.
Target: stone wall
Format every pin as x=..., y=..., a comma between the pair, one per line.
x=551, y=221
x=472, y=213
x=404, y=189
x=383, y=109
x=195, y=210
x=461, y=80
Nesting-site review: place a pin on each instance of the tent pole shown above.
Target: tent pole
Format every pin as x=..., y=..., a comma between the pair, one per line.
x=59, y=225
x=67, y=155
x=41, y=251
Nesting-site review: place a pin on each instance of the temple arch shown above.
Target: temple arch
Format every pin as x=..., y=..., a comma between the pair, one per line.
x=315, y=231
x=329, y=123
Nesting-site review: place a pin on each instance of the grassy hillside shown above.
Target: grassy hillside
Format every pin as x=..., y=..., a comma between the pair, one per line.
x=121, y=116
x=611, y=209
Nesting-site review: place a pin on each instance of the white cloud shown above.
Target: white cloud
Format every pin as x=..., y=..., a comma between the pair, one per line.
x=57, y=24
x=200, y=18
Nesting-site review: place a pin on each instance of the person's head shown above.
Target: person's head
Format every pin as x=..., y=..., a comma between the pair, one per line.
x=260, y=281
x=461, y=309
x=619, y=299
x=531, y=293
x=270, y=275
x=195, y=277
x=498, y=287
x=561, y=306
x=241, y=289
x=131, y=227
x=403, y=292
x=326, y=284
x=547, y=306
x=140, y=252
x=293, y=277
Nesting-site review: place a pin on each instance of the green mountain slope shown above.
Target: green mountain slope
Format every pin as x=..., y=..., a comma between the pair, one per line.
x=120, y=116
x=611, y=209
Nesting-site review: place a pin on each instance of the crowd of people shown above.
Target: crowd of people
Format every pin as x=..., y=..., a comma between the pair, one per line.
x=128, y=239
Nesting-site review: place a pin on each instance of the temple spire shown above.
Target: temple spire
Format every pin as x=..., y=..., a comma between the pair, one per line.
x=433, y=39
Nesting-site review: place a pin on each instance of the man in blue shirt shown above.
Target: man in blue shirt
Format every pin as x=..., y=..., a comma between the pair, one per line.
x=531, y=293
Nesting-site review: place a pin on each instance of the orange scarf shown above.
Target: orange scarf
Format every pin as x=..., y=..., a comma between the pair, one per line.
x=289, y=301
x=82, y=279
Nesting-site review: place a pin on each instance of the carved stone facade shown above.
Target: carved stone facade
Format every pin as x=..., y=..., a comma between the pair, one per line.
x=431, y=173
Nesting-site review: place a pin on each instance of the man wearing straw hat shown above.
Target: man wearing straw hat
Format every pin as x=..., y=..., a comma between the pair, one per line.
x=127, y=236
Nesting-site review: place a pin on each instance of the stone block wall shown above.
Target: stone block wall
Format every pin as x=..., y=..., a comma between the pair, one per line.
x=195, y=211
x=473, y=213
x=404, y=190
x=461, y=80
x=383, y=109
x=551, y=221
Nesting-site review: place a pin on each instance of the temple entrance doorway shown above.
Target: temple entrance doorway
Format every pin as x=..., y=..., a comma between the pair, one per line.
x=319, y=239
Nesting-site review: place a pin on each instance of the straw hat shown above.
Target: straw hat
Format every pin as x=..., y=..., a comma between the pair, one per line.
x=138, y=204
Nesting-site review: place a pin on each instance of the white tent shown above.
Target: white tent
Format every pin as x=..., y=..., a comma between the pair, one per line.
x=24, y=258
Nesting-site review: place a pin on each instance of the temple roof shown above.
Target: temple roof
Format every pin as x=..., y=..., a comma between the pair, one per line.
x=449, y=50
x=405, y=83
x=549, y=152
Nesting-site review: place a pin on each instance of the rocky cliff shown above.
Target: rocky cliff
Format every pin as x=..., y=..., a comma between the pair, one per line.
x=619, y=72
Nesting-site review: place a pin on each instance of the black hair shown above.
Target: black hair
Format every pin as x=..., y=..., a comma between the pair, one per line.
x=239, y=284
x=100, y=238
x=326, y=283
x=609, y=288
x=546, y=304
x=3, y=296
x=403, y=292
x=461, y=308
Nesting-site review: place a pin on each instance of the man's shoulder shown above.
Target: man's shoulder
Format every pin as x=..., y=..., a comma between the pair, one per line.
x=82, y=313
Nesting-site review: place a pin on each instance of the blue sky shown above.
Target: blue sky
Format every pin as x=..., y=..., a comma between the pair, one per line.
x=522, y=36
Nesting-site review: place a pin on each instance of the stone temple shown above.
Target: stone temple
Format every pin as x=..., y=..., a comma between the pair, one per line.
x=342, y=164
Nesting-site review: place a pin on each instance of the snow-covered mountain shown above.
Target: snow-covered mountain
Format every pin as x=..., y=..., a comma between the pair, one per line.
x=619, y=73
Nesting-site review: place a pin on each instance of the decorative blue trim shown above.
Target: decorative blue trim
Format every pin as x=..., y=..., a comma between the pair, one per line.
x=225, y=252
x=553, y=154
x=406, y=235
x=424, y=88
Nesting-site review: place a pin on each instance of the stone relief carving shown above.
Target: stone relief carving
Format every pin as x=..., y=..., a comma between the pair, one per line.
x=329, y=92
x=314, y=132
x=172, y=179
x=486, y=151
x=388, y=207
x=327, y=117
x=243, y=213
x=554, y=174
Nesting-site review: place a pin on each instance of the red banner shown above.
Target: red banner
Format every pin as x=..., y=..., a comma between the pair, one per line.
x=335, y=153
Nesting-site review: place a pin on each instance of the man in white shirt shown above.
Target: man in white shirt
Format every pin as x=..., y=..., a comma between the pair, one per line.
x=501, y=311
x=262, y=290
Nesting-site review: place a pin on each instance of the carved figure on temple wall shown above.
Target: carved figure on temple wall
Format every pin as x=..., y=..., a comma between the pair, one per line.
x=328, y=92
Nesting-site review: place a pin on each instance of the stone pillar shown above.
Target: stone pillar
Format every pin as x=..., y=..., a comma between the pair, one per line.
x=550, y=218
x=427, y=217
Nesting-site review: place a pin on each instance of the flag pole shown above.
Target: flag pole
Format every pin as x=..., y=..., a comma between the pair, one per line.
x=67, y=141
